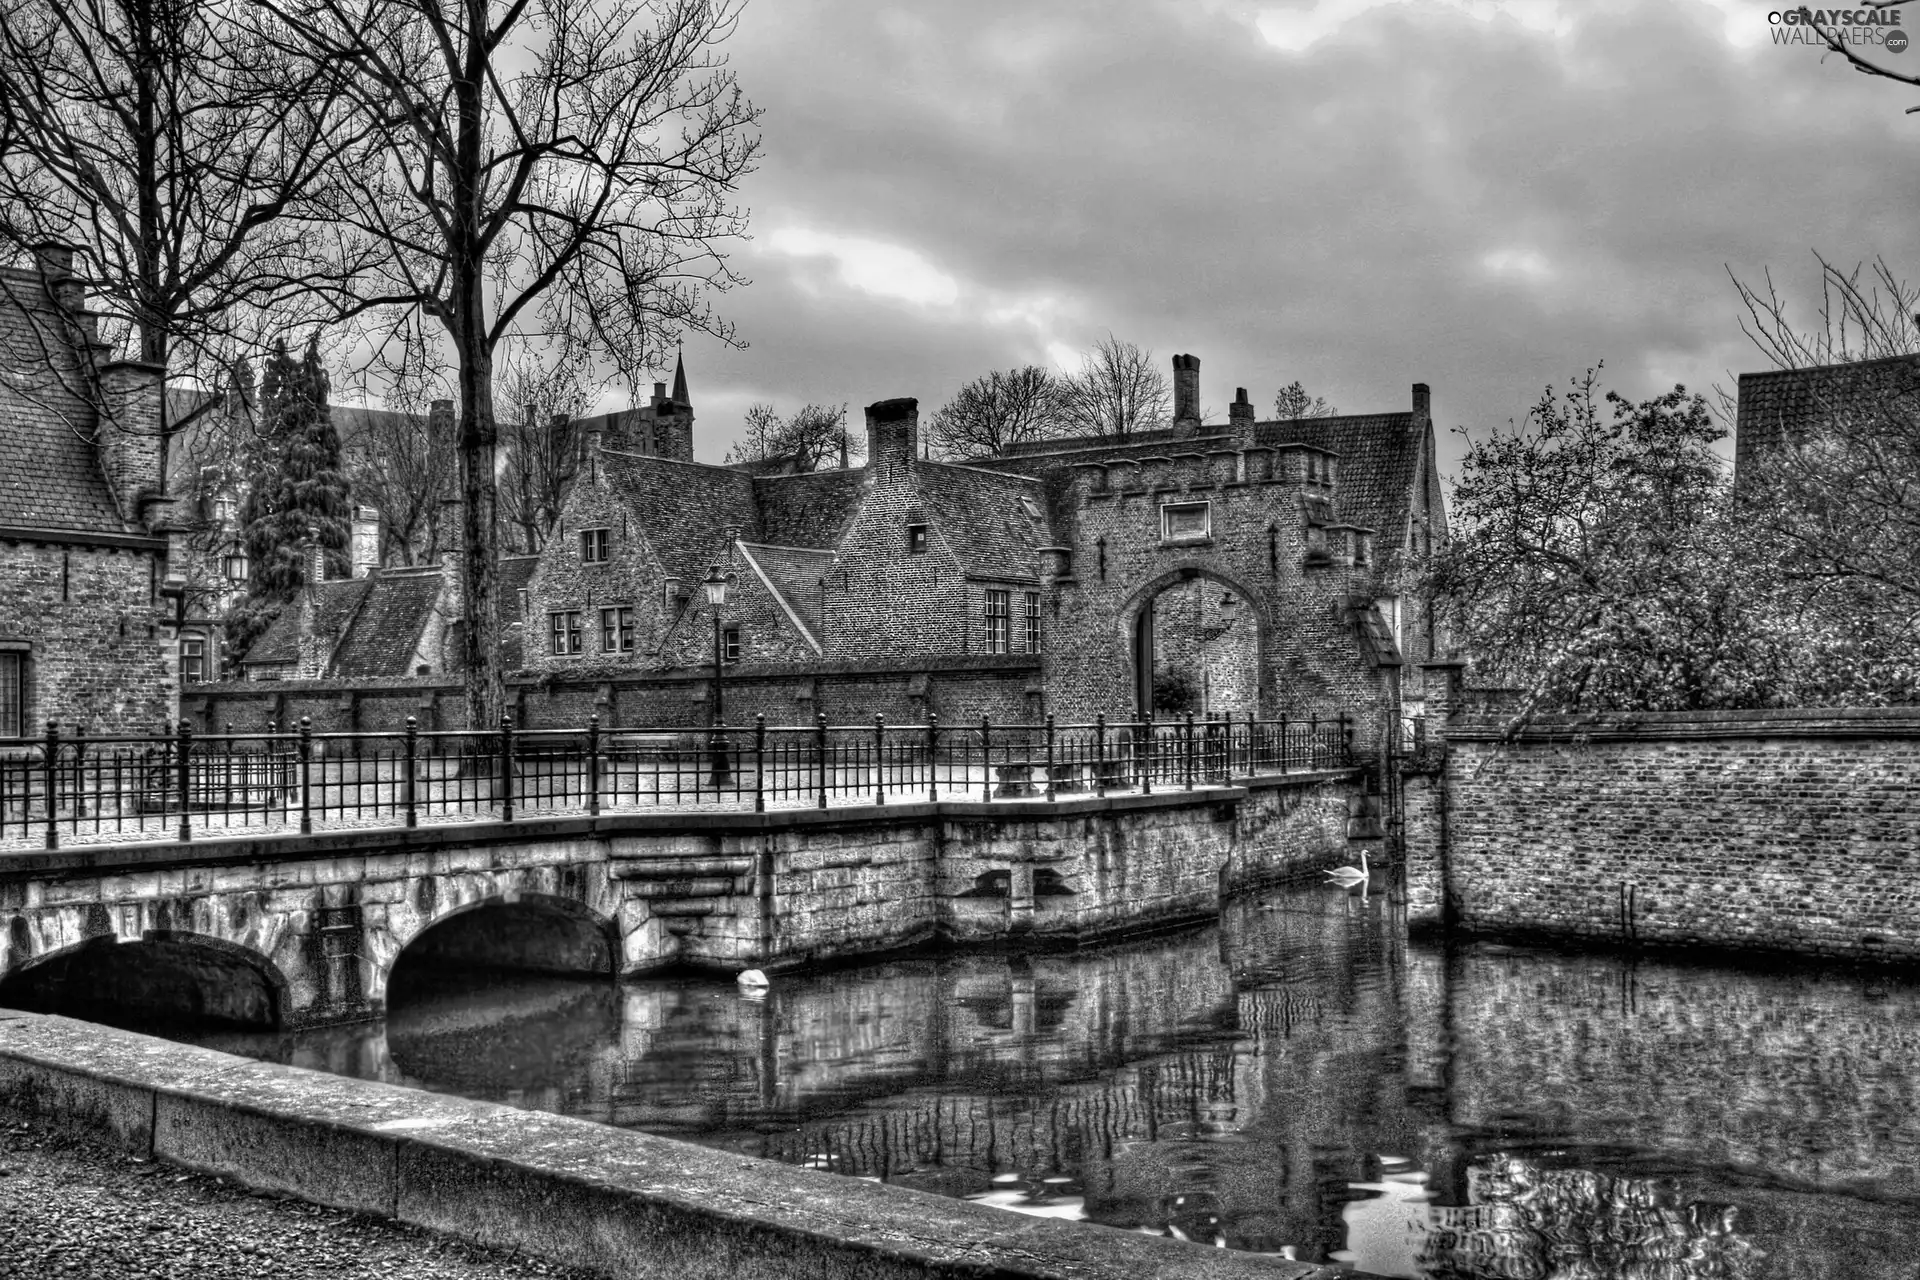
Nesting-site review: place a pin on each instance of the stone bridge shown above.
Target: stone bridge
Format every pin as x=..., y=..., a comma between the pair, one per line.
x=290, y=930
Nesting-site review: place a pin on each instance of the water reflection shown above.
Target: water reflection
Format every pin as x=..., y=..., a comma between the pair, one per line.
x=1295, y=1081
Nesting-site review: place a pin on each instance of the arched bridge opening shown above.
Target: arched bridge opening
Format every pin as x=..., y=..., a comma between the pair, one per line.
x=163, y=982
x=555, y=937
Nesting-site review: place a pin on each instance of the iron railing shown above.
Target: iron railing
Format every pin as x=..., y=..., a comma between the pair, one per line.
x=279, y=780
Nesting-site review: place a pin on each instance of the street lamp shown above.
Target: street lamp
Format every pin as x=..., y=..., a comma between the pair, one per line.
x=717, y=584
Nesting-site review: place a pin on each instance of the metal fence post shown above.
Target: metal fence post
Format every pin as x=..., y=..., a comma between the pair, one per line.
x=933, y=757
x=49, y=779
x=1187, y=751
x=1146, y=757
x=759, y=764
x=306, y=775
x=506, y=768
x=1346, y=739
x=1226, y=750
x=821, y=730
x=1100, y=754
x=593, y=765
x=879, y=759
x=1283, y=742
x=986, y=758
x=408, y=792
x=1050, y=794
x=185, y=750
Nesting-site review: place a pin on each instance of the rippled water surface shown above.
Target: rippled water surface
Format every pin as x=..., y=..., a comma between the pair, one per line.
x=1296, y=1080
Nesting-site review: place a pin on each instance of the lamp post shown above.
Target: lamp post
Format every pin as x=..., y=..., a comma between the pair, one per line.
x=717, y=584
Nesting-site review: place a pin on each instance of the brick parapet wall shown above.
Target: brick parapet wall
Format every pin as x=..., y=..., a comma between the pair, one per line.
x=1793, y=831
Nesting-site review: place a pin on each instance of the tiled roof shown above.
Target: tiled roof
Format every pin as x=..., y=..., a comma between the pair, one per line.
x=50, y=477
x=515, y=573
x=1074, y=444
x=1379, y=456
x=1783, y=405
x=982, y=517
x=682, y=507
x=384, y=634
x=794, y=574
x=333, y=606
x=810, y=509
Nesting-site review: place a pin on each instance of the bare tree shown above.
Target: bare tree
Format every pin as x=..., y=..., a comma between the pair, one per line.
x=811, y=437
x=156, y=140
x=1293, y=403
x=993, y=413
x=1118, y=390
x=541, y=401
x=541, y=169
x=395, y=464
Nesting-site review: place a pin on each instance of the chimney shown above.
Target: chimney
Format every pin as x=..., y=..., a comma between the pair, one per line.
x=1240, y=415
x=127, y=437
x=1186, y=395
x=316, y=558
x=56, y=265
x=366, y=541
x=659, y=394
x=893, y=438
x=1422, y=404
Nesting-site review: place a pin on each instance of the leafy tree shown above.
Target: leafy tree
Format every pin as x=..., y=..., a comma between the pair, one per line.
x=297, y=496
x=1293, y=403
x=1117, y=391
x=810, y=438
x=997, y=411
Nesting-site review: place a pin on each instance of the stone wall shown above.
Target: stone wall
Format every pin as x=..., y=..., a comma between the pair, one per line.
x=959, y=691
x=1788, y=830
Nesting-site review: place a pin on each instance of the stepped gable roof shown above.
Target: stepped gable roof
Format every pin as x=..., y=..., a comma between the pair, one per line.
x=810, y=509
x=682, y=506
x=1778, y=406
x=334, y=604
x=992, y=520
x=793, y=574
x=384, y=634
x=1379, y=455
x=50, y=476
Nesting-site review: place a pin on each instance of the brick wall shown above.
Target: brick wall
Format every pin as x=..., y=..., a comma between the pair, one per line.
x=1789, y=830
x=88, y=620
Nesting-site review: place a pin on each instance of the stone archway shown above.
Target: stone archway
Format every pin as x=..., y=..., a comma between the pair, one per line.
x=164, y=979
x=1194, y=643
x=522, y=932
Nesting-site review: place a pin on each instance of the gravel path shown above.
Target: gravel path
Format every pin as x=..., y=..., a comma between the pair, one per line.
x=78, y=1211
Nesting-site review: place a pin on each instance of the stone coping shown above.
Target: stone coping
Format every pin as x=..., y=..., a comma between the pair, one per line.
x=571, y=1191
x=1794, y=722
x=224, y=850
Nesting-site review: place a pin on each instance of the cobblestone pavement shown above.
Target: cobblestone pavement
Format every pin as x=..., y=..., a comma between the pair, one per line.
x=78, y=1211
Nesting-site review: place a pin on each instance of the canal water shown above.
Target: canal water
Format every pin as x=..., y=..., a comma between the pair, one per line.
x=1296, y=1080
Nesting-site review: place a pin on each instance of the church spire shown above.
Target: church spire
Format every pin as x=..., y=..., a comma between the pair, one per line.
x=680, y=382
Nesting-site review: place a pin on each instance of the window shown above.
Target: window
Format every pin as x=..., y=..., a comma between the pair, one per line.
x=13, y=694
x=1313, y=466
x=616, y=630
x=730, y=643
x=563, y=632
x=193, y=659
x=595, y=545
x=1186, y=522
x=1033, y=621
x=997, y=602
x=916, y=539
x=525, y=601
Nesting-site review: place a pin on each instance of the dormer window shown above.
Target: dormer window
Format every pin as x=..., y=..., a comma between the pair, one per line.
x=916, y=539
x=596, y=546
x=1362, y=547
x=1186, y=522
x=1326, y=470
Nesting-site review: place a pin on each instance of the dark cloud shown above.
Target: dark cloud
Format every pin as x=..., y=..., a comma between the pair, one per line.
x=1486, y=203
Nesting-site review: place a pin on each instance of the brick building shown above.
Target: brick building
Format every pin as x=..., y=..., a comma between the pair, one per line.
x=1262, y=566
x=87, y=602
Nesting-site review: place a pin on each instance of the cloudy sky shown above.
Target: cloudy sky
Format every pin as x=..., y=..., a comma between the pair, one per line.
x=1485, y=195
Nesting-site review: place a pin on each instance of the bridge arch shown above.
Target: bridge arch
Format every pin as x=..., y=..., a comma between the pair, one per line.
x=169, y=978
x=521, y=932
x=1196, y=639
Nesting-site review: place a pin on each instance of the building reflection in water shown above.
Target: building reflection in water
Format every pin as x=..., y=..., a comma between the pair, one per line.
x=1296, y=1080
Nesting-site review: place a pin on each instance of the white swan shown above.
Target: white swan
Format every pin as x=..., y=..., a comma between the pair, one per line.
x=1347, y=877
x=753, y=978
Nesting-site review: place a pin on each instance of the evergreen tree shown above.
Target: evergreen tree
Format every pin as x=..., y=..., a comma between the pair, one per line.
x=296, y=492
